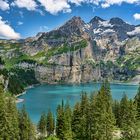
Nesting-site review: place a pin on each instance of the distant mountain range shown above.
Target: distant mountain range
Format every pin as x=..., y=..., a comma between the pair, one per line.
x=78, y=52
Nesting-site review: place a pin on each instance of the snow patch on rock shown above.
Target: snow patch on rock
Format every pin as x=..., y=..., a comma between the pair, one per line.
x=134, y=32
x=97, y=31
x=105, y=24
x=109, y=31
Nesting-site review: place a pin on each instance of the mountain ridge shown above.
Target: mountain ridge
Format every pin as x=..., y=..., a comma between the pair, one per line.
x=78, y=52
x=113, y=20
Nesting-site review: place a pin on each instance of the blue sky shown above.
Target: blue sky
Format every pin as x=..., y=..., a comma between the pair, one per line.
x=24, y=18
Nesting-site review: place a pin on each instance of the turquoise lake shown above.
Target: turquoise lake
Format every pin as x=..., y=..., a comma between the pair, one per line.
x=40, y=98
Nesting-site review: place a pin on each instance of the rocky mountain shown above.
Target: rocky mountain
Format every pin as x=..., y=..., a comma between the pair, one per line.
x=114, y=26
x=78, y=52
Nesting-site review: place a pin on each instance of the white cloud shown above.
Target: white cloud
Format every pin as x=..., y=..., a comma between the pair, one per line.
x=20, y=23
x=105, y=5
x=4, y=5
x=28, y=4
x=43, y=28
x=77, y=2
x=108, y=3
x=6, y=31
x=55, y=6
x=136, y=16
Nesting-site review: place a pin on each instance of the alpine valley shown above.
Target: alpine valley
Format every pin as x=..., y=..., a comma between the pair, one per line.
x=76, y=52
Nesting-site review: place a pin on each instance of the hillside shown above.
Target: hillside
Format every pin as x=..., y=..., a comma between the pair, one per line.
x=75, y=52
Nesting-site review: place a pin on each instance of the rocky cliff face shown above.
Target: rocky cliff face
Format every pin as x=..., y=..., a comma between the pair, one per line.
x=79, y=52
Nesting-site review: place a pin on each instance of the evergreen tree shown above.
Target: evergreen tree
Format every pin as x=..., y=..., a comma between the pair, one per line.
x=13, y=118
x=76, y=126
x=137, y=102
x=81, y=119
x=60, y=122
x=116, y=111
x=50, y=123
x=92, y=113
x=128, y=126
x=124, y=111
x=27, y=131
x=128, y=118
x=42, y=125
x=8, y=118
x=67, y=122
x=14, y=125
x=103, y=117
x=4, y=118
x=84, y=121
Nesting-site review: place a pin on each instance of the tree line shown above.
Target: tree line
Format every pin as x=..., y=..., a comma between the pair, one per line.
x=94, y=117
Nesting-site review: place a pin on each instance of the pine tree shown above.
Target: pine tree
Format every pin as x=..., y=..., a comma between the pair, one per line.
x=129, y=118
x=128, y=126
x=67, y=122
x=116, y=111
x=13, y=118
x=103, y=117
x=137, y=102
x=76, y=126
x=14, y=125
x=60, y=122
x=4, y=119
x=42, y=125
x=27, y=131
x=50, y=123
x=81, y=119
x=92, y=113
x=124, y=109
x=85, y=123
x=8, y=118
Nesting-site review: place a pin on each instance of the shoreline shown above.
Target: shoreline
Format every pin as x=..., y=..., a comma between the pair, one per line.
x=125, y=83
x=20, y=94
x=19, y=100
x=111, y=82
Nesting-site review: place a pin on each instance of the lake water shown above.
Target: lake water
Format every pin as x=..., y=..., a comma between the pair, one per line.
x=40, y=98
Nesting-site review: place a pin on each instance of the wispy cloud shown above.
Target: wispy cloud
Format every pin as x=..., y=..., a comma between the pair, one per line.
x=20, y=23
x=21, y=14
x=43, y=28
